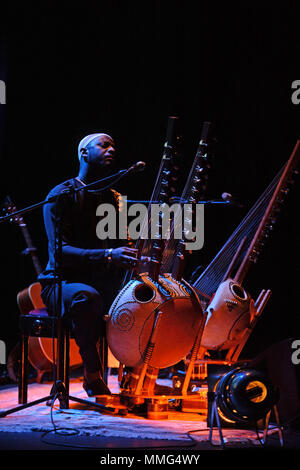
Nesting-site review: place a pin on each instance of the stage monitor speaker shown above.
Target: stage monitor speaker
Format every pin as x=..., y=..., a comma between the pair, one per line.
x=214, y=374
x=277, y=363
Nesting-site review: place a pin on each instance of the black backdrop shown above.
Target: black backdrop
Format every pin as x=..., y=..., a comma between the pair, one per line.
x=124, y=67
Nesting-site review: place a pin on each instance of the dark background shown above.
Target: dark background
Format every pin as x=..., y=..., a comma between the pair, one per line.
x=124, y=67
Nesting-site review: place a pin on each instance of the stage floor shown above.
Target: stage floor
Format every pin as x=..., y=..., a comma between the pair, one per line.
x=87, y=428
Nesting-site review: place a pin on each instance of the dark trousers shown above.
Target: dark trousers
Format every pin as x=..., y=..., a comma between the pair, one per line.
x=82, y=304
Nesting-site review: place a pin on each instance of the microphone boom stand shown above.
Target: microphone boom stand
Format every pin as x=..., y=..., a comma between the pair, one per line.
x=59, y=389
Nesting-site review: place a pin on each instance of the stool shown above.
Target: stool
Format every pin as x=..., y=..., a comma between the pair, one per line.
x=39, y=323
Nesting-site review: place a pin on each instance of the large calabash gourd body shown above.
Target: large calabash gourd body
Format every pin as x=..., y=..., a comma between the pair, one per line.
x=228, y=316
x=132, y=317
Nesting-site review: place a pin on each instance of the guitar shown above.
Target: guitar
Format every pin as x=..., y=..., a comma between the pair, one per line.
x=40, y=350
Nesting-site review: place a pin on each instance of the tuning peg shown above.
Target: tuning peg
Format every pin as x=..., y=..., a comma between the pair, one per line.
x=192, y=200
x=290, y=180
x=285, y=191
x=280, y=200
x=254, y=255
x=276, y=209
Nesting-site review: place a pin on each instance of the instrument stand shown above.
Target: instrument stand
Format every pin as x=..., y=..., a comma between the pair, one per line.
x=233, y=353
x=144, y=390
x=279, y=427
x=212, y=397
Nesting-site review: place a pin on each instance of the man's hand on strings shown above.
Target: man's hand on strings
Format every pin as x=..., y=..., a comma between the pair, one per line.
x=127, y=257
x=124, y=256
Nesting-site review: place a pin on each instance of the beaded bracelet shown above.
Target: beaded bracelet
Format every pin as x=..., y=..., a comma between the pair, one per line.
x=108, y=255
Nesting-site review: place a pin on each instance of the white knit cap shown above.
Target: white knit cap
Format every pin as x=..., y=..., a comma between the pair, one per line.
x=87, y=139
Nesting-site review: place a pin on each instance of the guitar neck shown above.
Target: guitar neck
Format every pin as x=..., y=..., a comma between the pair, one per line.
x=10, y=209
x=30, y=248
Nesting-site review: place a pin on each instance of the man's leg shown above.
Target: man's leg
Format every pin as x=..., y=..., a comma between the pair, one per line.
x=82, y=304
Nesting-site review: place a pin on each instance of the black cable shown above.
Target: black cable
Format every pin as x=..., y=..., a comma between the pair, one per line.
x=119, y=176
x=74, y=431
x=291, y=420
x=57, y=275
x=194, y=442
x=257, y=434
x=55, y=429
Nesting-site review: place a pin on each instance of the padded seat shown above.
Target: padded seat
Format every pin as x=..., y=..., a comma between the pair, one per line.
x=39, y=323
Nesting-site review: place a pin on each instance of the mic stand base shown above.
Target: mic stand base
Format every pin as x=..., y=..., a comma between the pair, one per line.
x=58, y=391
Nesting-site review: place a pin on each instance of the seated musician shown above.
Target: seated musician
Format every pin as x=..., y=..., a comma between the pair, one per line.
x=90, y=267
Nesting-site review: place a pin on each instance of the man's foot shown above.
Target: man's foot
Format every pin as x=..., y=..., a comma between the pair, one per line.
x=98, y=387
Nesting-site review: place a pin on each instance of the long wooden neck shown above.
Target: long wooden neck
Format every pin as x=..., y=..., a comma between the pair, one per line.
x=175, y=252
x=269, y=217
x=236, y=253
x=166, y=189
x=9, y=208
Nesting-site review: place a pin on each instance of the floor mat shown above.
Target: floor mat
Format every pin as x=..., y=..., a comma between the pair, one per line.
x=86, y=421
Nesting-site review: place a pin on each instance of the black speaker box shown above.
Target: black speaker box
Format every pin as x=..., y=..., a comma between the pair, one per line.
x=214, y=373
x=276, y=362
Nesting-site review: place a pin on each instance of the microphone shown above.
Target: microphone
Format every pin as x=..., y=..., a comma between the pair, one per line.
x=138, y=166
x=228, y=198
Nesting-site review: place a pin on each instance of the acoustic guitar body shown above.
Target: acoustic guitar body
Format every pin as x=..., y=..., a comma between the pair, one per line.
x=40, y=353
